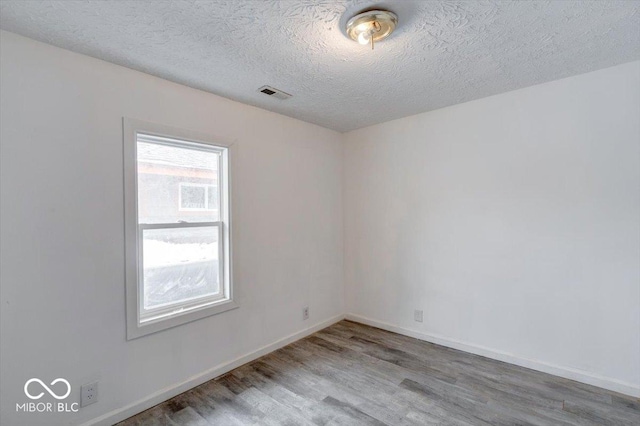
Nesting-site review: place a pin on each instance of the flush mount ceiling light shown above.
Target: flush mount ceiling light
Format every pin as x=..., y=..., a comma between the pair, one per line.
x=371, y=26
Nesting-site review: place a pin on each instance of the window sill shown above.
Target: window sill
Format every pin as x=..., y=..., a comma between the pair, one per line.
x=153, y=326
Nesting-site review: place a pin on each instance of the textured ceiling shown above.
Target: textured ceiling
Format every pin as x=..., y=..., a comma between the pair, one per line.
x=443, y=52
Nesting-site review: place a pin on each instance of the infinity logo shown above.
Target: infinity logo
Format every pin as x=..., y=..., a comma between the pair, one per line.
x=52, y=393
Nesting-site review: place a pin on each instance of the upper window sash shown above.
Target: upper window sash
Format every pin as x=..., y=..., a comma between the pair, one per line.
x=153, y=137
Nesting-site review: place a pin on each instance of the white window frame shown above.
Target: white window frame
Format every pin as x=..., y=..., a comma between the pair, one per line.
x=141, y=322
x=206, y=196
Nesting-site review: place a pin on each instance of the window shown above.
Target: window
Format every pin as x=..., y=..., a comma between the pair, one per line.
x=177, y=227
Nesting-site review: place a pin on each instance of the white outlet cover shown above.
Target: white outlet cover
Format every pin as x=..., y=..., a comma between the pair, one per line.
x=88, y=394
x=417, y=316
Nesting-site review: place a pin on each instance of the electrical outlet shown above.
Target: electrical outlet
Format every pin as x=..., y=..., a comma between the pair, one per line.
x=305, y=313
x=88, y=394
x=417, y=316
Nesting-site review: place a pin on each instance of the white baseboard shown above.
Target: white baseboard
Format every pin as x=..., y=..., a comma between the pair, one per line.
x=169, y=392
x=565, y=372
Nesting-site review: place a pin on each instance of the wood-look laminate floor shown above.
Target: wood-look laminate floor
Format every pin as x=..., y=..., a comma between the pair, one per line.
x=352, y=374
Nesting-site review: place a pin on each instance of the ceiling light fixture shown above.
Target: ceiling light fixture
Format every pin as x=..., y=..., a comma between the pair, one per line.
x=371, y=26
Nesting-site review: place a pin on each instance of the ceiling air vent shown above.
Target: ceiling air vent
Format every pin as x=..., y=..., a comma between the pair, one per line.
x=273, y=92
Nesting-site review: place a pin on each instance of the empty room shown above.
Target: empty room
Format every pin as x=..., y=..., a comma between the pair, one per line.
x=319, y=212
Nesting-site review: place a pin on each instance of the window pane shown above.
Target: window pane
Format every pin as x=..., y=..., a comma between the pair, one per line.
x=173, y=181
x=179, y=264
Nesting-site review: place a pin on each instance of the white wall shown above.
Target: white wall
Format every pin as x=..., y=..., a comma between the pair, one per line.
x=512, y=221
x=62, y=247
